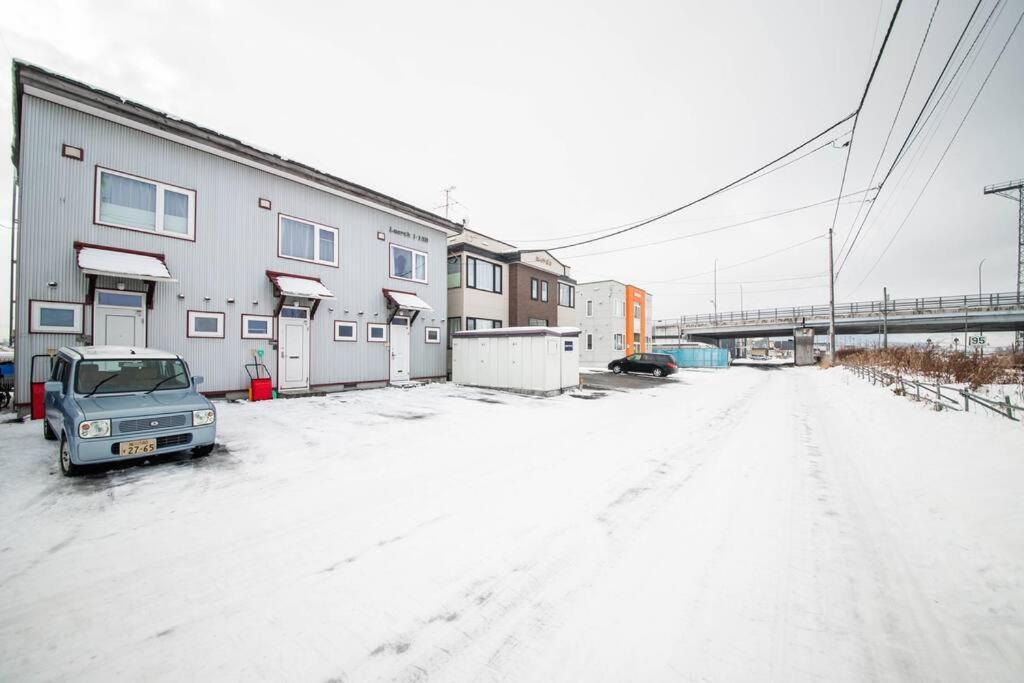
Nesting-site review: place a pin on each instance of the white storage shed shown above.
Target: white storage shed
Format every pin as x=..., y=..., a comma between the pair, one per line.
x=530, y=360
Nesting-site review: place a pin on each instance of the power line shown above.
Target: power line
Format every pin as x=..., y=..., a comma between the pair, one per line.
x=748, y=282
x=895, y=118
x=860, y=106
x=827, y=143
x=737, y=265
x=944, y=152
x=719, y=228
x=721, y=189
x=899, y=154
x=910, y=167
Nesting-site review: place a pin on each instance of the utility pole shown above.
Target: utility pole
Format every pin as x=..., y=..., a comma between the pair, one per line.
x=885, y=318
x=1014, y=190
x=716, y=291
x=831, y=301
x=741, y=297
x=980, y=264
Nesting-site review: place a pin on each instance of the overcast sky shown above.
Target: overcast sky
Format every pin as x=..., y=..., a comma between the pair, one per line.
x=553, y=119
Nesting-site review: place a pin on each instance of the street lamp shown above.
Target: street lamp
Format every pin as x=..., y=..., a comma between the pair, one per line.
x=980, y=263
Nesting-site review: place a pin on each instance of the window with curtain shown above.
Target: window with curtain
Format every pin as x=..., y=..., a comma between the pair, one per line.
x=454, y=325
x=566, y=295
x=127, y=201
x=544, y=290
x=408, y=264
x=308, y=241
x=454, y=272
x=483, y=275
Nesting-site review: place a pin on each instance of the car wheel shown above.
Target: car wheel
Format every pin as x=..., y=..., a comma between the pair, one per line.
x=67, y=468
x=658, y=372
x=47, y=431
x=202, y=451
x=617, y=369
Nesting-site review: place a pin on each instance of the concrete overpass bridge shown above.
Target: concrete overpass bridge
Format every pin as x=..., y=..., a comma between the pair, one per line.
x=997, y=312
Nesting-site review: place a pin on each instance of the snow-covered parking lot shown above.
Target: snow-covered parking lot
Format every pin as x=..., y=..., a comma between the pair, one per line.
x=749, y=524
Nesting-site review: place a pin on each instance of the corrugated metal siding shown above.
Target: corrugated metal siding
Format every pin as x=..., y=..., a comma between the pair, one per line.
x=236, y=242
x=697, y=357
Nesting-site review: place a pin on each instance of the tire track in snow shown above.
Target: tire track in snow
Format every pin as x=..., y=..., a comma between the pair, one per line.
x=502, y=615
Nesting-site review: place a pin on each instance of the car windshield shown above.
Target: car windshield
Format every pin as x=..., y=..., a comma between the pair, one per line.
x=130, y=374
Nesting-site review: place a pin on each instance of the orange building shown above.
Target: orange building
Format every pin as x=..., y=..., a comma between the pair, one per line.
x=615, y=318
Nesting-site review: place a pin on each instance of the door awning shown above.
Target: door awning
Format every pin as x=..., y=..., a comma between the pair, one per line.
x=406, y=300
x=301, y=286
x=94, y=259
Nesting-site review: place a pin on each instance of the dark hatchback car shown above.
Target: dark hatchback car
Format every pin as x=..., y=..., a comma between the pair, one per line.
x=658, y=364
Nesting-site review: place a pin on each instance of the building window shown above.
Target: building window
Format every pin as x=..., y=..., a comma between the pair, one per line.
x=106, y=297
x=56, y=317
x=257, y=326
x=376, y=332
x=566, y=295
x=620, y=308
x=590, y=309
x=205, y=324
x=304, y=240
x=454, y=272
x=408, y=264
x=482, y=324
x=544, y=290
x=590, y=342
x=127, y=201
x=432, y=335
x=534, y=288
x=636, y=311
x=294, y=312
x=537, y=322
x=345, y=330
x=454, y=325
x=620, y=341
x=636, y=341
x=483, y=275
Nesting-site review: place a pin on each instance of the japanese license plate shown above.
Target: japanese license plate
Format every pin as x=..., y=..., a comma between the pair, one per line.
x=138, y=447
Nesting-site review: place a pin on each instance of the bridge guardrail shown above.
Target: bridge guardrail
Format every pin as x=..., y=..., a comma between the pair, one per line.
x=922, y=305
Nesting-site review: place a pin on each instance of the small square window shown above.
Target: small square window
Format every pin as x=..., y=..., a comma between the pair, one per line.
x=375, y=332
x=345, y=330
x=55, y=317
x=432, y=335
x=257, y=326
x=204, y=324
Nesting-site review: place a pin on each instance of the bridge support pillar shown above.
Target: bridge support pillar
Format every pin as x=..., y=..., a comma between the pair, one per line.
x=803, y=346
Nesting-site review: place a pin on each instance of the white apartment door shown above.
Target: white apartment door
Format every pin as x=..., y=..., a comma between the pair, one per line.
x=119, y=318
x=400, y=348
x=293, y=348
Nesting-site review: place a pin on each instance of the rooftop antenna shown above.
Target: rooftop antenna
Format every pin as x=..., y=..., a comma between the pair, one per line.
x=448, y=199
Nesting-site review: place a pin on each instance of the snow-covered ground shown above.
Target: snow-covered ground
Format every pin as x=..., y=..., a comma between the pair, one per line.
x=749, y=524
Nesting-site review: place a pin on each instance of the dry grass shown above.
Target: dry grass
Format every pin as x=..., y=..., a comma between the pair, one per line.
x=958, y=367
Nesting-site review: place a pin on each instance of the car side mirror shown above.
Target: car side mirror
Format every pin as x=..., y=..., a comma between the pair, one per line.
x=197, y=380
x=53, y=387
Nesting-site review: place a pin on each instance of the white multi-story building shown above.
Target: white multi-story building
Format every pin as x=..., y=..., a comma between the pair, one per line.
x=615, y=319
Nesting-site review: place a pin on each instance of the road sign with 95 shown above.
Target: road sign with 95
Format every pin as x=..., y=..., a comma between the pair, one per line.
x=977, y=340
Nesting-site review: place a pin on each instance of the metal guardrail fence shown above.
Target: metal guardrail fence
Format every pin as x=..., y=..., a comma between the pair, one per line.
x=860, y=308
x=943, y=395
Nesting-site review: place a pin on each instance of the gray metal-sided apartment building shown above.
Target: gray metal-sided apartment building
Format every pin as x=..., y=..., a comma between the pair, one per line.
x=135, y=228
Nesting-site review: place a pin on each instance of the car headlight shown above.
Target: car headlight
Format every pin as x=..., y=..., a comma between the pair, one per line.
x=91, y=429
x=202, y=417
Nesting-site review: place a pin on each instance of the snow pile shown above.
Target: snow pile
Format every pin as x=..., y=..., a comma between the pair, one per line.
x=302, y=287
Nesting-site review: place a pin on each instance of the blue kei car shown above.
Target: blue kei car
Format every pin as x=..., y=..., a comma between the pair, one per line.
x=111, y=403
